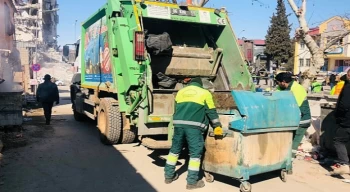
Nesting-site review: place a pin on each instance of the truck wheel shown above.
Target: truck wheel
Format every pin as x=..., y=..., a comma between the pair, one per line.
x=109, y=122
x=129, y=135
x=129, y=131
x=78, y=116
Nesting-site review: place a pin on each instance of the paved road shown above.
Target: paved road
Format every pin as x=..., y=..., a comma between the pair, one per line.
x=68, y=156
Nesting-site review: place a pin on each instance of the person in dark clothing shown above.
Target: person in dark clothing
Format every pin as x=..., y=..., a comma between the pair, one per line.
x=342, y=136
x=257, y=77
x=47, y=94
x=262, y=73
x=332, y=80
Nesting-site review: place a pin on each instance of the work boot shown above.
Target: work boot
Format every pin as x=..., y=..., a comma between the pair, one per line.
x=198, y=185
x=341, y=170
x=168, y=181
x=47, y=122
x=335, y=166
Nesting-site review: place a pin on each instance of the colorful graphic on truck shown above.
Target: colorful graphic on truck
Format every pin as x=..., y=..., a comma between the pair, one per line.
x=97, y=53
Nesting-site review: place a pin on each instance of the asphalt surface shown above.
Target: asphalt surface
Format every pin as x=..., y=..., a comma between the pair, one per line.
x=68, y=156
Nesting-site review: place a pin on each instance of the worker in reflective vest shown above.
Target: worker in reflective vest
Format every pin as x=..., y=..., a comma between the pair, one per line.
x=286, y=83
x=194, y=111
x=316, y=87
x=337, y=89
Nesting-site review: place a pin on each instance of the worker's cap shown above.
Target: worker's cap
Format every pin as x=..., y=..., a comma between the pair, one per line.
x=287, y=77
x=197, y=80
x=47, y=77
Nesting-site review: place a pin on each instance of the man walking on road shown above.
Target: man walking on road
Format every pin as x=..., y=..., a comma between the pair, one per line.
x=194, y=109
x=342, y=135
x=285, y=82
x=47, y=94
x=332, y=80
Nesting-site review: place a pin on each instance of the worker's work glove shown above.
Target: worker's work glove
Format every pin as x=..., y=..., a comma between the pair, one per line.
x=218, y=131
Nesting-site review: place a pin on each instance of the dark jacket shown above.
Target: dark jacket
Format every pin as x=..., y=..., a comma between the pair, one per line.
x=332, y=78
x=47, y=92
x=342, y=113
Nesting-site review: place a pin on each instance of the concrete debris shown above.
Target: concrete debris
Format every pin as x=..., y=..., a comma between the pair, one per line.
x=306, y=147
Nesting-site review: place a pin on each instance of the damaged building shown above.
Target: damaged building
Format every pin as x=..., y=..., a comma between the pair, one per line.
x=10, y=90
x=36, y=22
x=7, y=31
x=36, y=32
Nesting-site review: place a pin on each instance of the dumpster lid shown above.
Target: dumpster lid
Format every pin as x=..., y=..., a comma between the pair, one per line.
x=265, y=111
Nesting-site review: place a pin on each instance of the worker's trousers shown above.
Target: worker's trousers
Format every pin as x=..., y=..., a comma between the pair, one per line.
x=341, y=138
x=195, y=141
x=297, y=138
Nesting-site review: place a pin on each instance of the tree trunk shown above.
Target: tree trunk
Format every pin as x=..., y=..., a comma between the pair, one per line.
x=316, y=52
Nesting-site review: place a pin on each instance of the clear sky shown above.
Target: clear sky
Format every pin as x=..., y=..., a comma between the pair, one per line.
x=249, y=18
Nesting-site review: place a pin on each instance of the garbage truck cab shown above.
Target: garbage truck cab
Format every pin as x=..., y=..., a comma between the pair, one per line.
x=135, y=56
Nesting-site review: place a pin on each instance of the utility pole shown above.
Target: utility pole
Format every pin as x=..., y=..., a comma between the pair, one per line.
x=75, y=31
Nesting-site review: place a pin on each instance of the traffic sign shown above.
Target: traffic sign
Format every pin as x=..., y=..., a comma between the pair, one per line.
x=36, y=67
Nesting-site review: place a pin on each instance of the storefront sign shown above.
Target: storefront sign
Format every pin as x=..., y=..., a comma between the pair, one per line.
x=337, y=50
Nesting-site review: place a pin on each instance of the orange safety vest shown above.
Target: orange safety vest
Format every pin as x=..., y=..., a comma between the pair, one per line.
x=338, y=88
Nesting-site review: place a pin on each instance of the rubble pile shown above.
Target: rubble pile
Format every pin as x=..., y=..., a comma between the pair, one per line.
x=51, y=63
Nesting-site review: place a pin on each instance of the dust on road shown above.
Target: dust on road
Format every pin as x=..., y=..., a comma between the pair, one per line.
x=68, y=156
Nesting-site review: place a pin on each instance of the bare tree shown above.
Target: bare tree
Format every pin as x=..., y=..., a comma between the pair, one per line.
x=317, y=51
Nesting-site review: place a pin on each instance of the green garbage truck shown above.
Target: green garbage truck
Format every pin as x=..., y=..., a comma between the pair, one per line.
x=134, y=56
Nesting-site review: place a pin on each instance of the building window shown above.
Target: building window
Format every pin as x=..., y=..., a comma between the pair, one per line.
x=301, y=62
x=307, y=62
x=9, y=27
x=340, y=42
x=302, y=44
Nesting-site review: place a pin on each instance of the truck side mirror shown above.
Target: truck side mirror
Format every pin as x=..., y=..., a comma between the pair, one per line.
x=66, y=50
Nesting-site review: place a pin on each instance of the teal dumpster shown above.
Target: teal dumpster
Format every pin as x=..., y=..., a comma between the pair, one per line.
x=258, y=134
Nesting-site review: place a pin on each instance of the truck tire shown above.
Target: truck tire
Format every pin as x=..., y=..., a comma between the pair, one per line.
x=78, y=116
x=109, y=122
x=129, y=135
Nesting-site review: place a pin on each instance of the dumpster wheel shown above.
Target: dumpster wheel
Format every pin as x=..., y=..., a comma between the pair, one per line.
x=284, y=175
x=208, y=177
x=245, y=186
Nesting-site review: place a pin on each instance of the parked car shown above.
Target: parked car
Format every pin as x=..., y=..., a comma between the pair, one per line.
x=59, y=83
